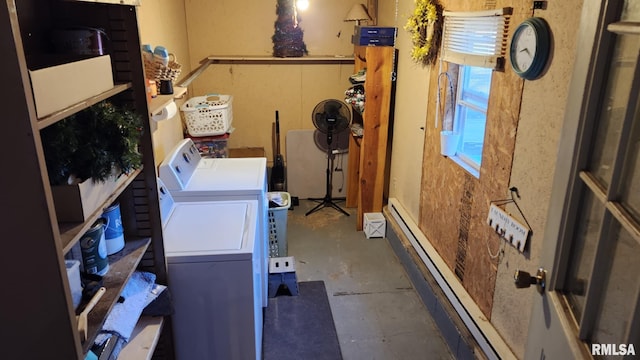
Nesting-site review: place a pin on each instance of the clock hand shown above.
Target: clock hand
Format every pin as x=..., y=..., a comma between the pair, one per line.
x=526, y=50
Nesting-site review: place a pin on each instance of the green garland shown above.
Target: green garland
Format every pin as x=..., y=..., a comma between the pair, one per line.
x=425, y=27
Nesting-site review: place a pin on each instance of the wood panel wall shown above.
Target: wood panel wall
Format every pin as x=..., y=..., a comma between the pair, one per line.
x=453, y=203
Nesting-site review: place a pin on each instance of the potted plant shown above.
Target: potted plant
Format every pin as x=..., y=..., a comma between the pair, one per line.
x=87, y=155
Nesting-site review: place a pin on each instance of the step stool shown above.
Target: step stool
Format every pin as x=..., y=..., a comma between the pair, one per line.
x=282, y=276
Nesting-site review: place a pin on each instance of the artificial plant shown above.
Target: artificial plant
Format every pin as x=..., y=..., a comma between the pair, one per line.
x=93, y=144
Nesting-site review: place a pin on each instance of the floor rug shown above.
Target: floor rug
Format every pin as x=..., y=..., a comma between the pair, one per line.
x=300, y=326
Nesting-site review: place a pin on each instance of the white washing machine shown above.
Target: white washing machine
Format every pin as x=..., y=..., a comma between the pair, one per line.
x=189, y=177
x=214, y=272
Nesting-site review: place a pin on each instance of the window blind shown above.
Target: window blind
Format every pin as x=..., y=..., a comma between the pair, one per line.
x=477, y=38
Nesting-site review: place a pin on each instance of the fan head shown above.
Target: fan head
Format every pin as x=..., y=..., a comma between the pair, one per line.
x=340, y=142
x=331, y=116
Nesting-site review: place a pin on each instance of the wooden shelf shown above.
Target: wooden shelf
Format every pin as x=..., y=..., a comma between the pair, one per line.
x=121, y=266
x=70, y=233
x=366, y=179
x=265, y=60
x=66, y=112
x=143, y=340
x=248, y=59
x=117, y=2
x=161, y=101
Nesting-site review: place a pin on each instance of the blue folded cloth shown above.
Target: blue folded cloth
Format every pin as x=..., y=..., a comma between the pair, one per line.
x=137, y=294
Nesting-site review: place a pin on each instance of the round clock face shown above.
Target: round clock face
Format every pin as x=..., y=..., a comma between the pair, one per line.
x=530, y=46
x=524, y=47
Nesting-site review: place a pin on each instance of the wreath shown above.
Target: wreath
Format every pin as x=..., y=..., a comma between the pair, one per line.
x=425, y=27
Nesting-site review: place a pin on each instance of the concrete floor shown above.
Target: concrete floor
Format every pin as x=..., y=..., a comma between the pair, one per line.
x=376, y=310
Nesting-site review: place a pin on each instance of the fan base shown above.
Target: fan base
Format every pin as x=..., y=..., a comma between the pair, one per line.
x=324, y=202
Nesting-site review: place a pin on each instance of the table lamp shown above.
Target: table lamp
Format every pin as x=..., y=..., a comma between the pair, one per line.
x=357, y=13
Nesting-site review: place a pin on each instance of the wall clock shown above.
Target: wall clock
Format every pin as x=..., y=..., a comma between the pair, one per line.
x=530, y=48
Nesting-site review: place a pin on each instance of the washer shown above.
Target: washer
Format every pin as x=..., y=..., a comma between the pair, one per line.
x=214, y=273
x=192, y=178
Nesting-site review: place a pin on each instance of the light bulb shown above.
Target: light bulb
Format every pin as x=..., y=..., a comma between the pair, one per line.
x=302, y=5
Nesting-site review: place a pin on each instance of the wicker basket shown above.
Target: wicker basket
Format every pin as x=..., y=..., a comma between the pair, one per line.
x=157, y=71
x=207, y=115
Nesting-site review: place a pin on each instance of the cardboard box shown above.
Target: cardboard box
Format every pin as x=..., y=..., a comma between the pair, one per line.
x=76, y=203
x=375, y=225
x=375, y=36
x=57, y=87
x=247, y=152
x=370, y=41
x=376, y=31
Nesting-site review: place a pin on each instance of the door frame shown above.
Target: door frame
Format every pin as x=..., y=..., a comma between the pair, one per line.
x=549, y=311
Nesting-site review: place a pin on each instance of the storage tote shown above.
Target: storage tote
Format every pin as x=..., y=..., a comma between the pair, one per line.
x=208, y=115
x=211, y=146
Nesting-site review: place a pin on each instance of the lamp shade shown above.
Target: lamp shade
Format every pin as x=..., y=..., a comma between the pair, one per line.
x=357, y=13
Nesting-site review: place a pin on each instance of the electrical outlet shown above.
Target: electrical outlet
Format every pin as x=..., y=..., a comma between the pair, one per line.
x=508, y=228
x=540, y=5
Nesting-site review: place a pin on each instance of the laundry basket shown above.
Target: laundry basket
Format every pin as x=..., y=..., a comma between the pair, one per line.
x=208, y=115
x=278, y=224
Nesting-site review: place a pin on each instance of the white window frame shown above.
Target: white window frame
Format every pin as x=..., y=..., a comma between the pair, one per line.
x=462, y=158
x=458, y=28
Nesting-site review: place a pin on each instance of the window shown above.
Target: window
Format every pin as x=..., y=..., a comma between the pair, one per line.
x=471, y=105
x=476, y=41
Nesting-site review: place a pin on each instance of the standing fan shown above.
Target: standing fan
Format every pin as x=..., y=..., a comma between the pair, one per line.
x=330, y=117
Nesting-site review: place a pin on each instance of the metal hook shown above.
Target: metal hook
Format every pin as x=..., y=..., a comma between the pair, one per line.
x=446, y=74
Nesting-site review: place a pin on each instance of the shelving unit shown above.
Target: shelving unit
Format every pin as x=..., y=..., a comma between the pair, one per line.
x=62, y=114
x=70, y=233
x=38, y=314
x=368, y=180
x=161, y=101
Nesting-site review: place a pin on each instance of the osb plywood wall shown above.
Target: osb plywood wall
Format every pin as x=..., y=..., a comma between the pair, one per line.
x=453, y=203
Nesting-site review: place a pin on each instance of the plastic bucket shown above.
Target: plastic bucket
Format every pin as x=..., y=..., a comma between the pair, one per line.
x=113, y=231
x=94, y=250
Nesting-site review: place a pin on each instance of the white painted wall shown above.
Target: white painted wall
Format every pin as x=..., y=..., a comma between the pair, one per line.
x=163, y=22
x=410, y=112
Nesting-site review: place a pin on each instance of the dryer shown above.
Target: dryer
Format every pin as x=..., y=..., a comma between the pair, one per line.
x=192, y=178
x=214, y=273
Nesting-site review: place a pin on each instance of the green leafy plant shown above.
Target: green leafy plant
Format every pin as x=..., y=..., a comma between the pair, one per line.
x=93, y=144
x=425, y=27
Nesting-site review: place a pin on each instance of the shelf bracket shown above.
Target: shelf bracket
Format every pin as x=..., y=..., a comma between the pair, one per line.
x=195, y=73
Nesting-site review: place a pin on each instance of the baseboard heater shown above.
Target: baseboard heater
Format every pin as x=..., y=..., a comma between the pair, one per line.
x=491, y=350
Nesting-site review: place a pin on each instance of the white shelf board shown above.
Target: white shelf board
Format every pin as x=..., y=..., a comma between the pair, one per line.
x=143, y=340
